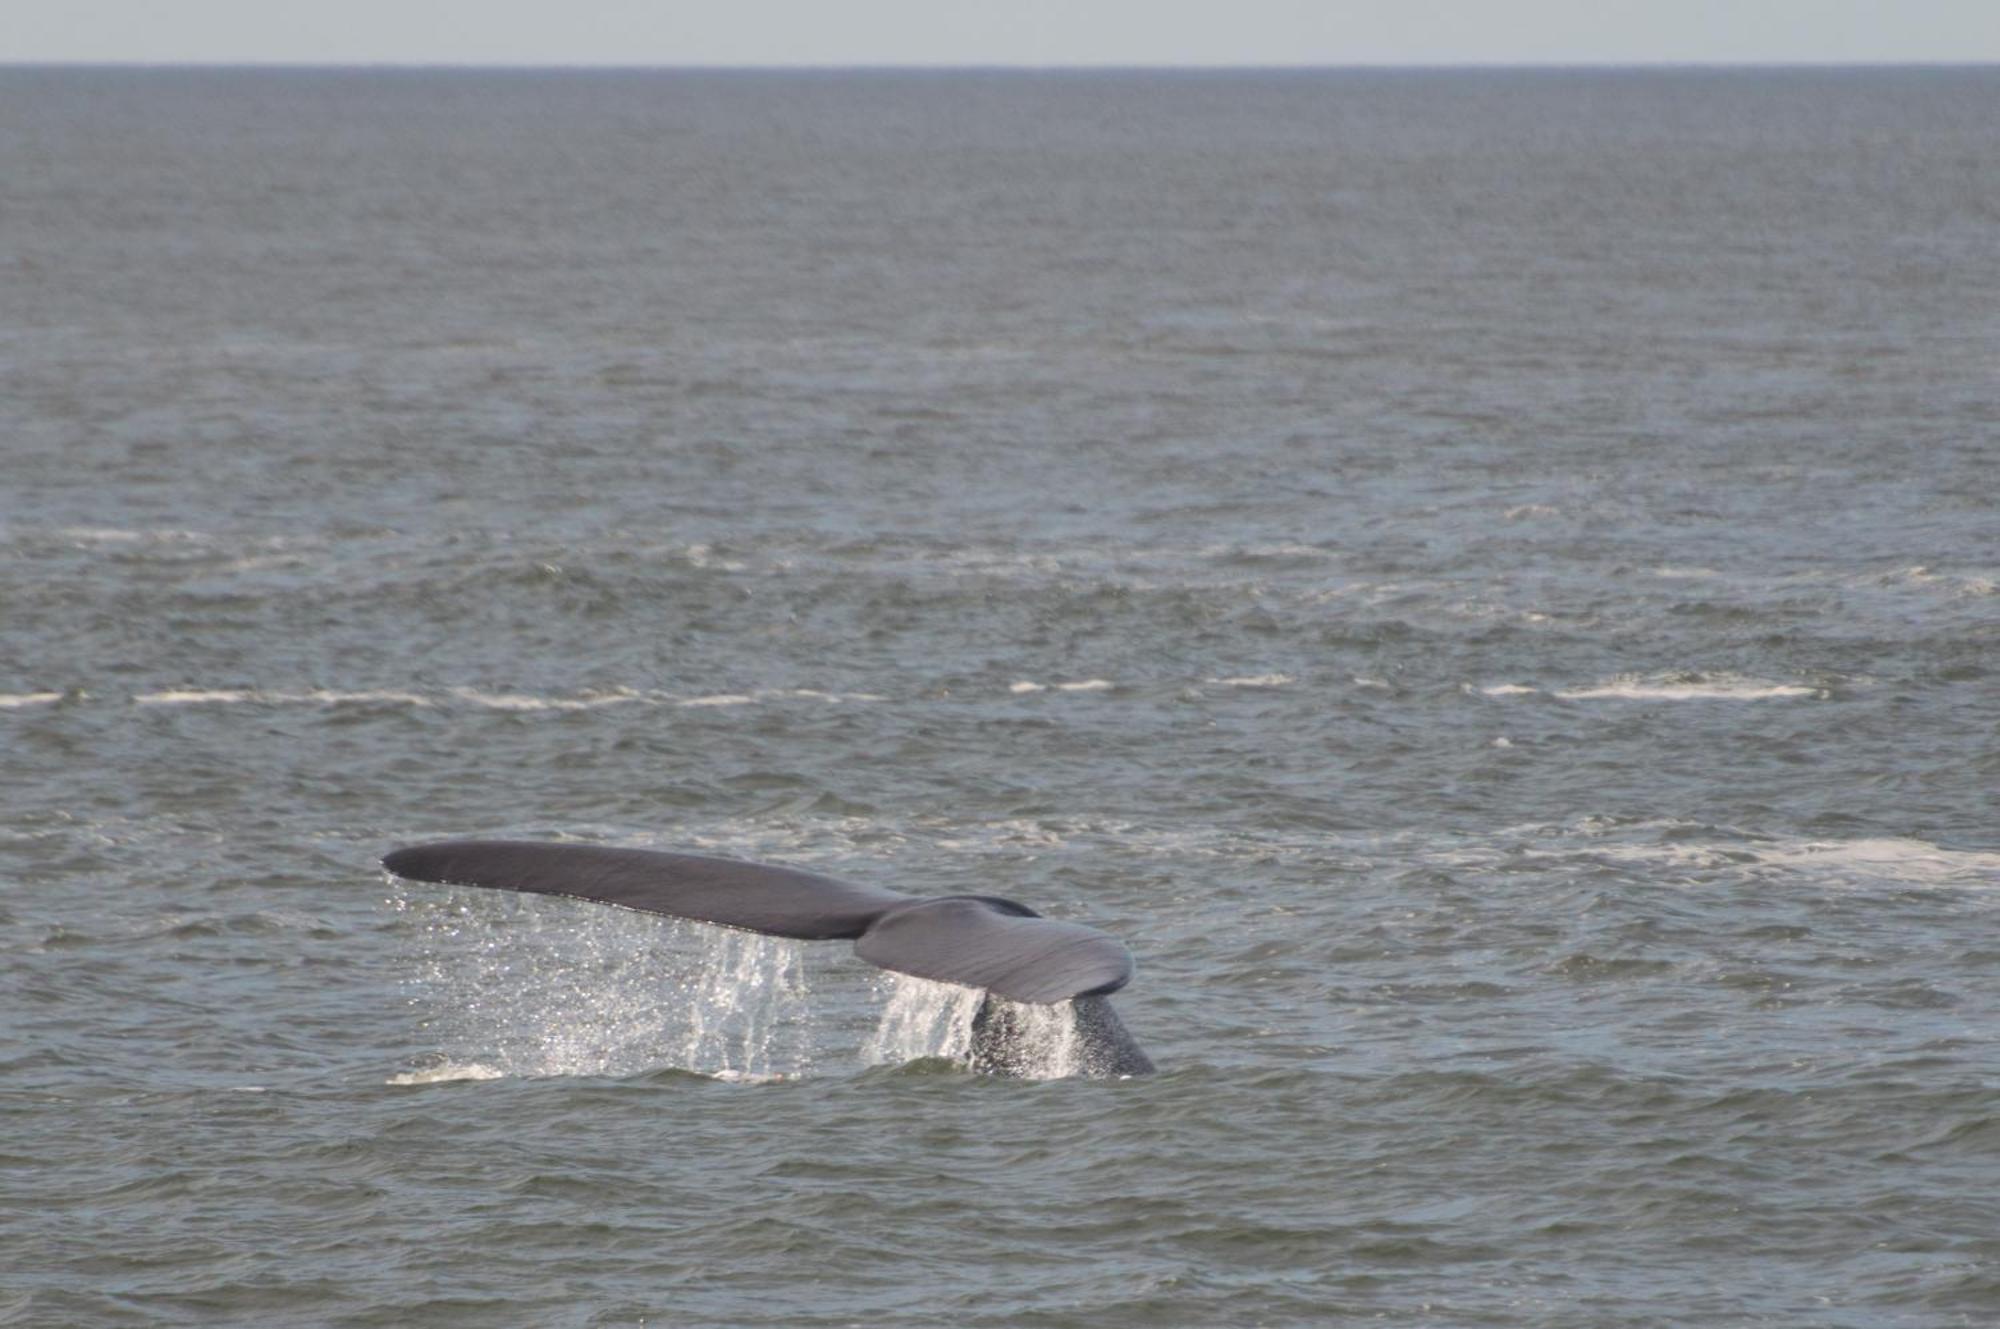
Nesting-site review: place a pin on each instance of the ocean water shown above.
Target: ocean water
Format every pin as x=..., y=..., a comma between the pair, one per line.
x=1489, y=582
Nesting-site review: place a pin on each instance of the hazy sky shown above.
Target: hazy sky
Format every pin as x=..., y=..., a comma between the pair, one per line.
x=1032, y=32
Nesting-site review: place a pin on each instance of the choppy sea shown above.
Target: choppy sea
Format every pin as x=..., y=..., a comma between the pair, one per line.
x=1489, y=582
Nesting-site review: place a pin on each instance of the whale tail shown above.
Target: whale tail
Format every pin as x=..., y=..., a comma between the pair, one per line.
x=981, y=941
x=1012, y=1038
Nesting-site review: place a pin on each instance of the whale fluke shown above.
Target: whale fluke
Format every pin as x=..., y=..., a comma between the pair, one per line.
x=782, y=902
x=977, y=941
x=982, y=941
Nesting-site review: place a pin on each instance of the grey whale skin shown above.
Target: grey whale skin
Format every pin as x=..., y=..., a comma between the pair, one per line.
x=979, y=941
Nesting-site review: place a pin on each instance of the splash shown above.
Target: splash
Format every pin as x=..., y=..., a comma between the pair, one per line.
x=538, y=988
x=922, y=1019
x=746, y=1006
x=1028, y=1042
x=925, y=1019
x=530, y=987
x=449, y=1072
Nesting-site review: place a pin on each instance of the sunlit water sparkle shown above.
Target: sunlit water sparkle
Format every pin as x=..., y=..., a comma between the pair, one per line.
x=561, y=989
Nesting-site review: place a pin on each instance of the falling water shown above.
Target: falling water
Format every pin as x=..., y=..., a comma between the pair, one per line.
x=746, y=1004
x=1031, y=1042
x=533, y=987
x=921, y=1019
x=926, y=1019
x=537, y=988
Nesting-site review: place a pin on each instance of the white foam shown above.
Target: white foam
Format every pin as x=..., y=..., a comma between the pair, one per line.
x=1373, y=684
x=1006, y=833
x=264, y=562
x=314, y=697
x=366, y=697
x=1690, y=687
x=1026, y=686
x=1281, y=549
x=450, y=1072
x=1897, y=859
x=1953, y=583
x=10, y=701
x=522, y=701
x=1870, y=861
x=703, y=557
x=1254, y=681
x=779, y=694
x=97, y=535
x=518, y=702
x=1508, y=690
x=1964, y=583
x=982, y=561
x=103, y=535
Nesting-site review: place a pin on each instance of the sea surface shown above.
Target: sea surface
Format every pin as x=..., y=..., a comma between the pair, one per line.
x=1489, y=582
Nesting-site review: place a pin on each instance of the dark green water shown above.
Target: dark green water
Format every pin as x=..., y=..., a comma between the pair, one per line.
x=1490, y=583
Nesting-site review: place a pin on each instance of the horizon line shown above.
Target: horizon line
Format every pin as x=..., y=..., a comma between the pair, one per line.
x=916, y=67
